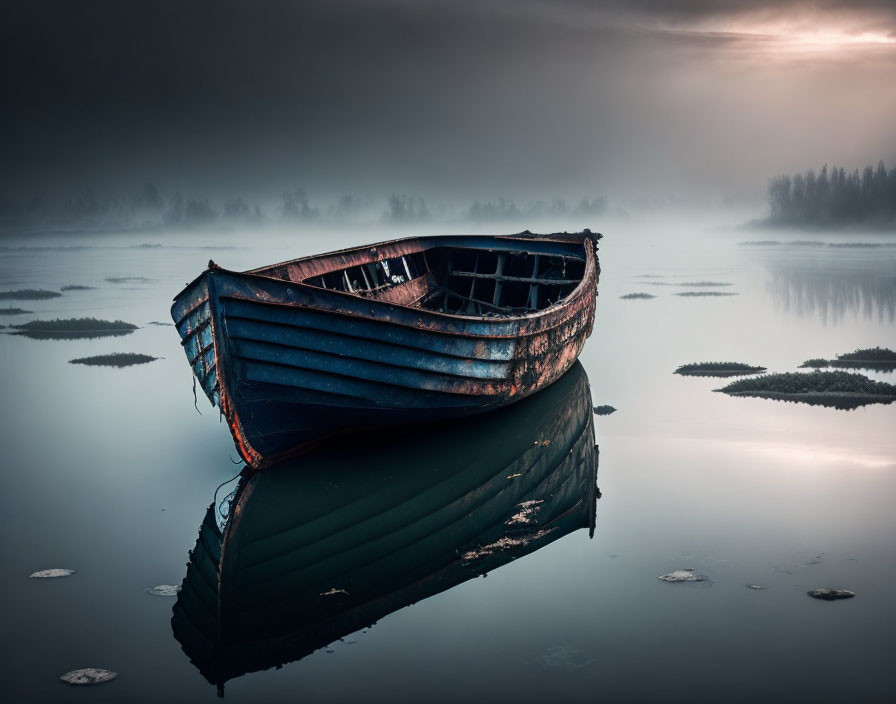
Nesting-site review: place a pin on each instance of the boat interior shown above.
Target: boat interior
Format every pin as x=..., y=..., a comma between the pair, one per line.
x=462, y=281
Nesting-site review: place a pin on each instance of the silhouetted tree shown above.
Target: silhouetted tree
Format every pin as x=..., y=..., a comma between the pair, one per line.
x=175, y=214
x=150, y=199
x=592, y=206
x=296, y=206
x=404, y=208
x=502, y=210
x=199, y=212
x=833, y=198
x=346, y=208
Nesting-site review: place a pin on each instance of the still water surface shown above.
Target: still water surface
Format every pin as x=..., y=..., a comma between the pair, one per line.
x=110, y=471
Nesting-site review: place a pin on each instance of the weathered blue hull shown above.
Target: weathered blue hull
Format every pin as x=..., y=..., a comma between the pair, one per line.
x=291, y=363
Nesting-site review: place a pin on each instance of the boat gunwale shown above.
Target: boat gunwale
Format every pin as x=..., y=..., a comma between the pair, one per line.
x=589, y=274
x=523, y=236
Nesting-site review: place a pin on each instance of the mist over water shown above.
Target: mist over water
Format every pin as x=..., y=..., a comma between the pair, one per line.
x=114, y=470
x=739, y=159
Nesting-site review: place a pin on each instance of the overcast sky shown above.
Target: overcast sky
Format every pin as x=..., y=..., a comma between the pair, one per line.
x=442, y=99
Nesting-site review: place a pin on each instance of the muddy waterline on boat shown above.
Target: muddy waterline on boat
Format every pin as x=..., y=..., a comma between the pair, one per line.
x=110, y=472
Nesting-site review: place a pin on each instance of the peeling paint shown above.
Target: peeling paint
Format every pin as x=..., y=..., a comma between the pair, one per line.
x=475, y=362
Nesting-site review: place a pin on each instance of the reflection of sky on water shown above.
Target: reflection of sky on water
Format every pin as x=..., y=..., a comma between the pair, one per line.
x=111, y=469
x=833, y=284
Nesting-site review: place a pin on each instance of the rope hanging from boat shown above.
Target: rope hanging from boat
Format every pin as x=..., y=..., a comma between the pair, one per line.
x=195, y=399
x=223, y=509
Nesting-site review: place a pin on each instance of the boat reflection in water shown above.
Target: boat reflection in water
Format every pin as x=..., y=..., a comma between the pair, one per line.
x=327, y=544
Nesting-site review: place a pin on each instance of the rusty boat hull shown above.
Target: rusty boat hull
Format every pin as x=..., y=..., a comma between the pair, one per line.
x=411, y=330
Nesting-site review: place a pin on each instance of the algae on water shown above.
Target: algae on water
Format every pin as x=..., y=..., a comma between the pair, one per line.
x=28, y=294
x=116, y=359
x=73, y=328
x=843, y=390
x=718, y=369
x=879, y=358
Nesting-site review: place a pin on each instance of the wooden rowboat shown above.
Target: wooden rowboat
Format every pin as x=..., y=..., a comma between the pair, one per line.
x=418, y=329
x=332, y=542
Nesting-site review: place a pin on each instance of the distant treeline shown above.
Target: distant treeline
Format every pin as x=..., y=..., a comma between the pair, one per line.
x=834, y=197
x=149, y=209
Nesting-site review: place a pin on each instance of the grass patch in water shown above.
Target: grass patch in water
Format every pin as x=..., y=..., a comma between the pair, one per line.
x=844, y=390
x=127, y=279
x=116, y=359
x=695, y=284
x=718, y=369
x=870, y=354
x=637, y=296
x=704, y=294
x=28, y=294
x=879, y=358
x=77, y=287
x=73, y=328
x=815, y=363
x=13, y=311
x=862, y=245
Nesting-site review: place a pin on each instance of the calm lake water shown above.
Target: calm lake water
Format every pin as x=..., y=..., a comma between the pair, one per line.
x=110, y=471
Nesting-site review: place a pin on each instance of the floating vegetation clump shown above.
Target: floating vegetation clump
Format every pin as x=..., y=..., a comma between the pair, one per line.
x=604, y=410
x=815, y=364
x=828, y=594
x=871, y=354
x=843, y=390
x=116, y=359
x=879, y=358
x=636, y=296
x=13, y=311
x=862, y=245
x=695, y=294
x=54, y=573
x=718, y=369
x=127, y=279
x=73, y=328
x=686, y=575
x=28, y=294
x=76, y=287
x=694, y=284
x=88, y=675
x=815, y=243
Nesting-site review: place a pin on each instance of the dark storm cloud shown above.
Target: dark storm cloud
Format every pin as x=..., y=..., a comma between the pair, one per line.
x=491, y=98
